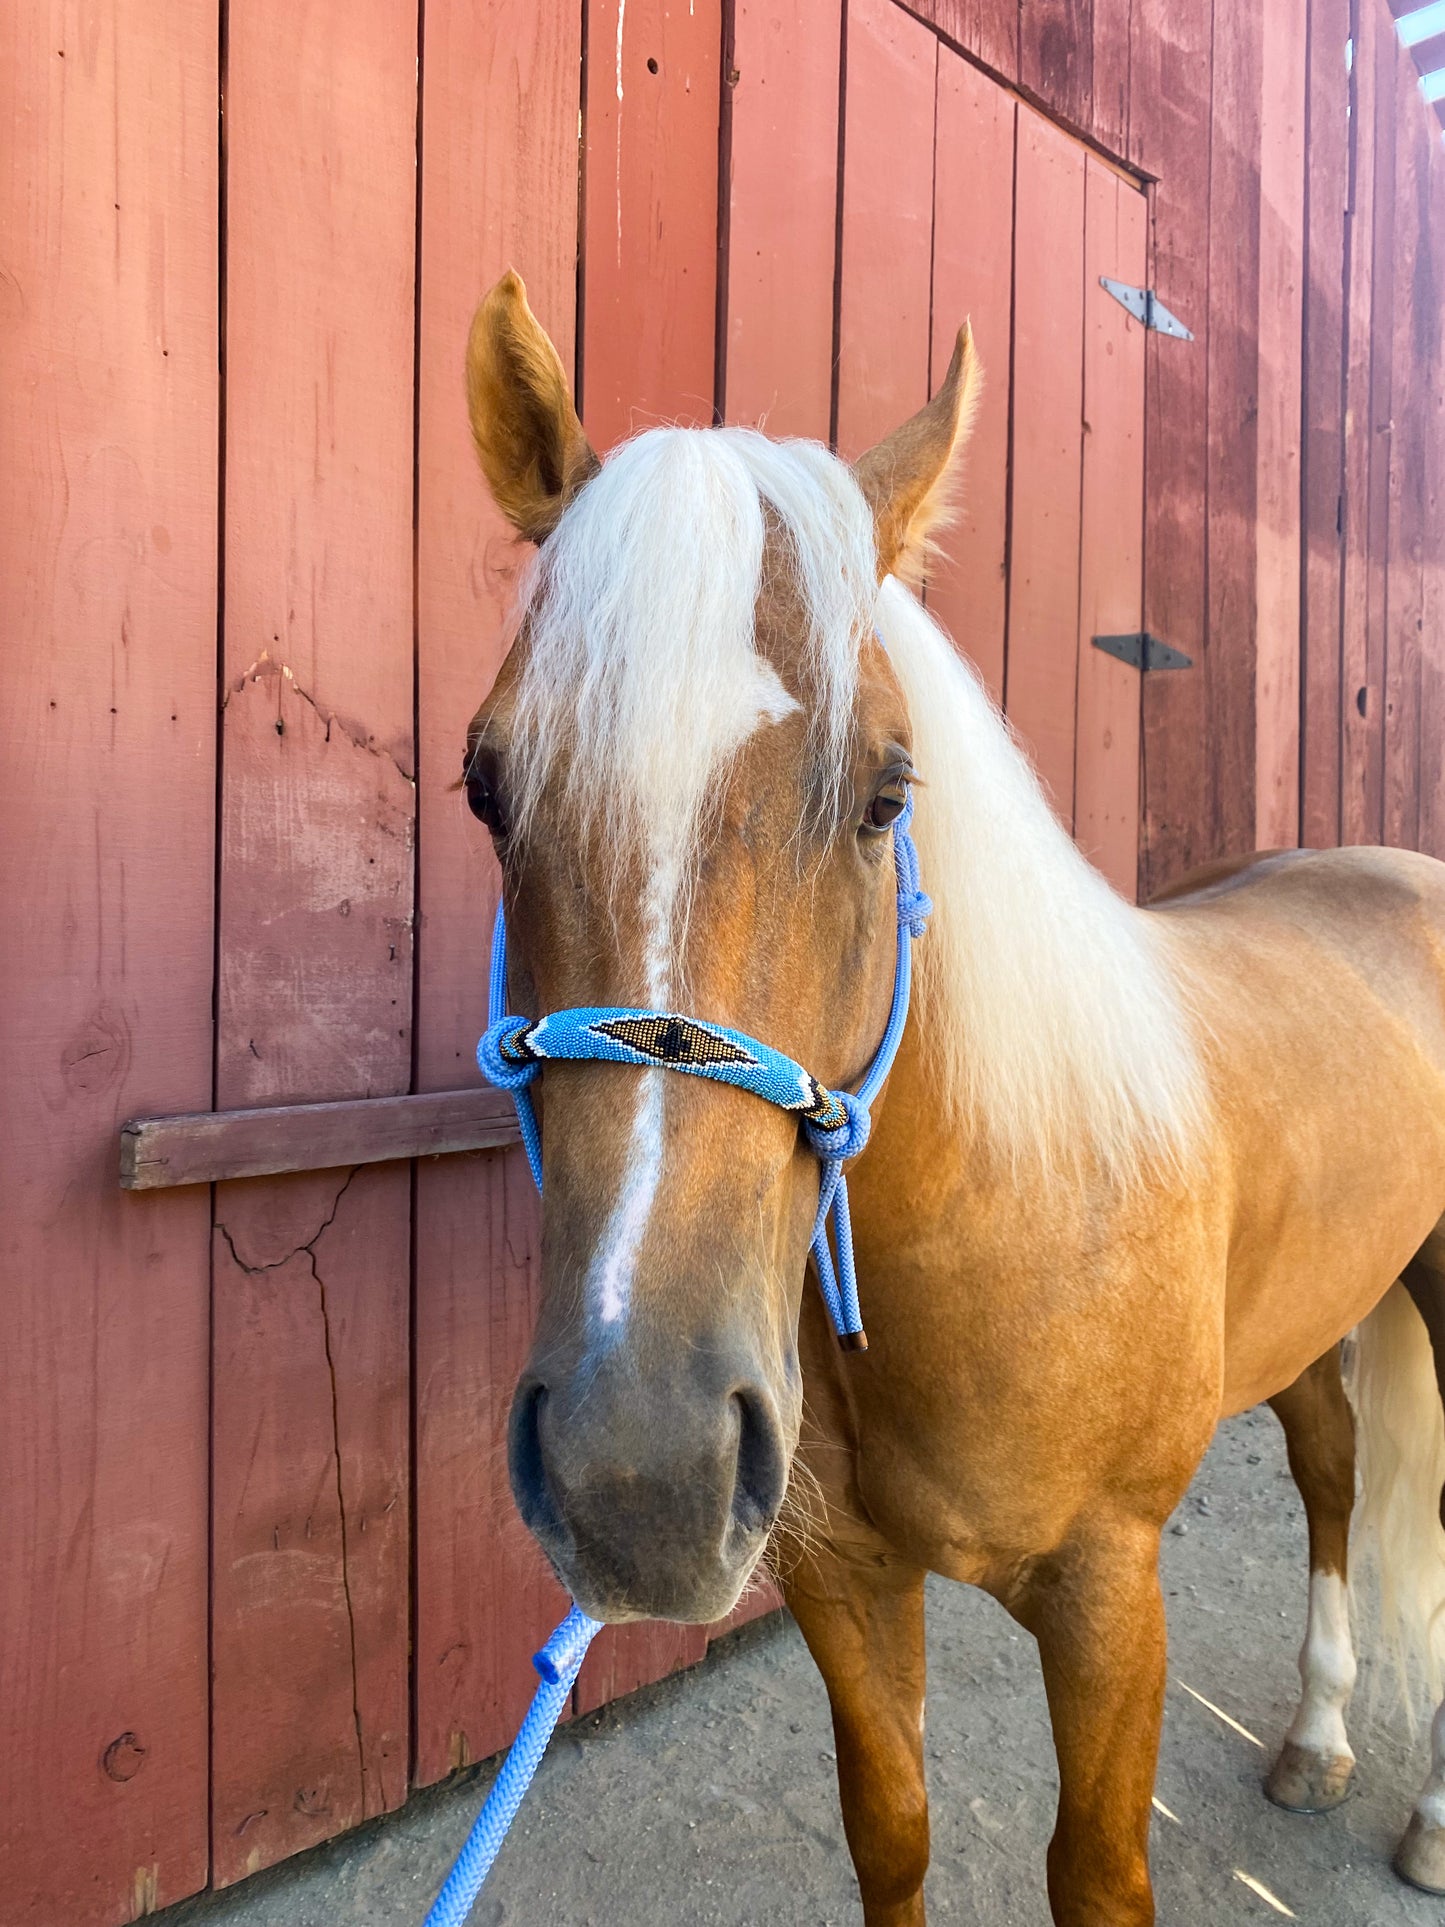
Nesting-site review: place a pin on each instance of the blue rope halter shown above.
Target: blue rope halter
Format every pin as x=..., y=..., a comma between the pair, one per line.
x=836, y=1124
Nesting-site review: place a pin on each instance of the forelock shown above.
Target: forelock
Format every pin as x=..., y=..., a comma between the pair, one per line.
x=642, y=676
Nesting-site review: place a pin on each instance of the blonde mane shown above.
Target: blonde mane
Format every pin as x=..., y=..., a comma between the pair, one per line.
x=1052, y=1011
x=1052, y=1005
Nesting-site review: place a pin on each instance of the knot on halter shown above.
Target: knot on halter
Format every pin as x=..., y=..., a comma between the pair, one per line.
x=503, y=1057
x=915, y=907
x=843, y=1140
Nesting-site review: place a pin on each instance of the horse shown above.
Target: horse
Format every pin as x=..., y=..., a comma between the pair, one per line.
x=1134, y=1170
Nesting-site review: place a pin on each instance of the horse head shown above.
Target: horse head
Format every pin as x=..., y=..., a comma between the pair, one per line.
x=689, y=765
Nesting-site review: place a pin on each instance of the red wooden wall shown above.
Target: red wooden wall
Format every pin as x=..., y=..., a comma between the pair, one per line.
x=262, y=1573
x=1294, y=542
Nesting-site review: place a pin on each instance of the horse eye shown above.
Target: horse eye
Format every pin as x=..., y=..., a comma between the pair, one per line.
x=479, y=779
x=887, y=806
x=485, y=806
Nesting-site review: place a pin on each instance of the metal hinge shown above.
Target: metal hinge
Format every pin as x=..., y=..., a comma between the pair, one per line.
x=1146, y=306
x=1143, y=651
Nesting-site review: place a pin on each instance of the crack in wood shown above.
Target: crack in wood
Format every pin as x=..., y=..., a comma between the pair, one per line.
x=341, y=1509
x=309, y=1250
x=254, y=1271
x=266, y=664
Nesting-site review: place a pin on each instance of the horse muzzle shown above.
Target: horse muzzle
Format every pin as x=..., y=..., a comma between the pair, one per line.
x=652, y=1501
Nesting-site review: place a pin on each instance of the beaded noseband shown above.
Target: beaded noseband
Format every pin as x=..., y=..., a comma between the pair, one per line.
x=835, y=1123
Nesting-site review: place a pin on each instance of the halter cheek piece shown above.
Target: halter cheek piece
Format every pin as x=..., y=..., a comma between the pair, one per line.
x=835, y=1123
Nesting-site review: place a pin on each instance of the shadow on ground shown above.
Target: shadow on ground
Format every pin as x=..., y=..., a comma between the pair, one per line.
x=710, y=1799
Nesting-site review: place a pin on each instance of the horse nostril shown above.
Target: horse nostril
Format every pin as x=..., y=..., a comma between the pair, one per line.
x=762, y=1474
x=530, y=1485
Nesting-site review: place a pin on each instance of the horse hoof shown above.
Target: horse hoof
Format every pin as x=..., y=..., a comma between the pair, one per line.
x=1306, y=1782
x=1420, y=1856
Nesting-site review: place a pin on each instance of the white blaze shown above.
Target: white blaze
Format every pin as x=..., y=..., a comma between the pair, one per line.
x=615, y=1259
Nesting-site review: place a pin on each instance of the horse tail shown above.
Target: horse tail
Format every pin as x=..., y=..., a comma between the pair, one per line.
x=1400, y=1446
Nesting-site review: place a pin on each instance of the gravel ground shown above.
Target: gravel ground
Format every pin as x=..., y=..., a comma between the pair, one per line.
x=710, y=1799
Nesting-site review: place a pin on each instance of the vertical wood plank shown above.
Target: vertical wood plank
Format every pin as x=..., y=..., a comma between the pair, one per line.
x=310, y=1424
x=780, y=246
x=1113, y=59
x=1170, y=136
x=1226, y=822
x=649, y=318
x=1428, y=317
x=1327, y=125
x=649, y=325
x=1369, y=235
x=973, y=216
x=1056, y=57
x=499, y=188
x=108, y=419
x=1415, y=378
x=1040, y=680
x=885, y=294
x=1111, y=580
x=1281, y=335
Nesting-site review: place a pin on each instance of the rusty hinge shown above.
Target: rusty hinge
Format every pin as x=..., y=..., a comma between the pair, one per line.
x=1143, y=651
x=1146, y=306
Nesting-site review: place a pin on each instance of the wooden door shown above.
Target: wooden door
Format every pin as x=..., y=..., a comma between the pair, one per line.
x=270, y=1571
x=959, y=201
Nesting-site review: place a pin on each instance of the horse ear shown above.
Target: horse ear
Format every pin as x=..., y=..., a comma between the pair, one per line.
x=533, y=451
x=908, y=477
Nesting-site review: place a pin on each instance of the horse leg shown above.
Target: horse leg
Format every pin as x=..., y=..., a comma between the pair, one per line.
x=1315, y=1762
x=1420, y=1857
x=864, y=1628
x=1096, y=1611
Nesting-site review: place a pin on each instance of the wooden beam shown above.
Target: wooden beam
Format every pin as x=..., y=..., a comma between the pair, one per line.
x=206, y=1147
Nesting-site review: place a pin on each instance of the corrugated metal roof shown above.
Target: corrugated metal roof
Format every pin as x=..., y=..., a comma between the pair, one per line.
x=1422, y=24
x=1422, y=29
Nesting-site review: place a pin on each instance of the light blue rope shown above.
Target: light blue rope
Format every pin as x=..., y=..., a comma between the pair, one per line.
x=558, y=1663
x=496, y=1013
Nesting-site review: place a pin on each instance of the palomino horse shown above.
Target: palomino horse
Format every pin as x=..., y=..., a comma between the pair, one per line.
x=1134, y=1169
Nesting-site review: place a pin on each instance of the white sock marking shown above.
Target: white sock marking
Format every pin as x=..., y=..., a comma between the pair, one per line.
x=1431, y=1804
x=1327, y=1670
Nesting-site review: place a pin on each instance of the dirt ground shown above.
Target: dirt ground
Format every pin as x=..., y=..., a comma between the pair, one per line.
x=710, y=1799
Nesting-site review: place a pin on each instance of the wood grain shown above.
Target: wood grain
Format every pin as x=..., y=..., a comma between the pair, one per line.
x=499, y=188
x=1111, y=578
x=108, y=419
x=1225, y=824
x=885, y=292
x=208, y=1147
x=649, y=319
x=1327, y=125
x=1428, y=317
x=310, y=1328
x=973, y=278
x=1113, y=74
x=1369, y=240
x=1414, y=336
x=1056, y=57
x=780, y=247
x=987, y=29
x=1170, y=136
x=1041, y=673
x=1278, y=562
